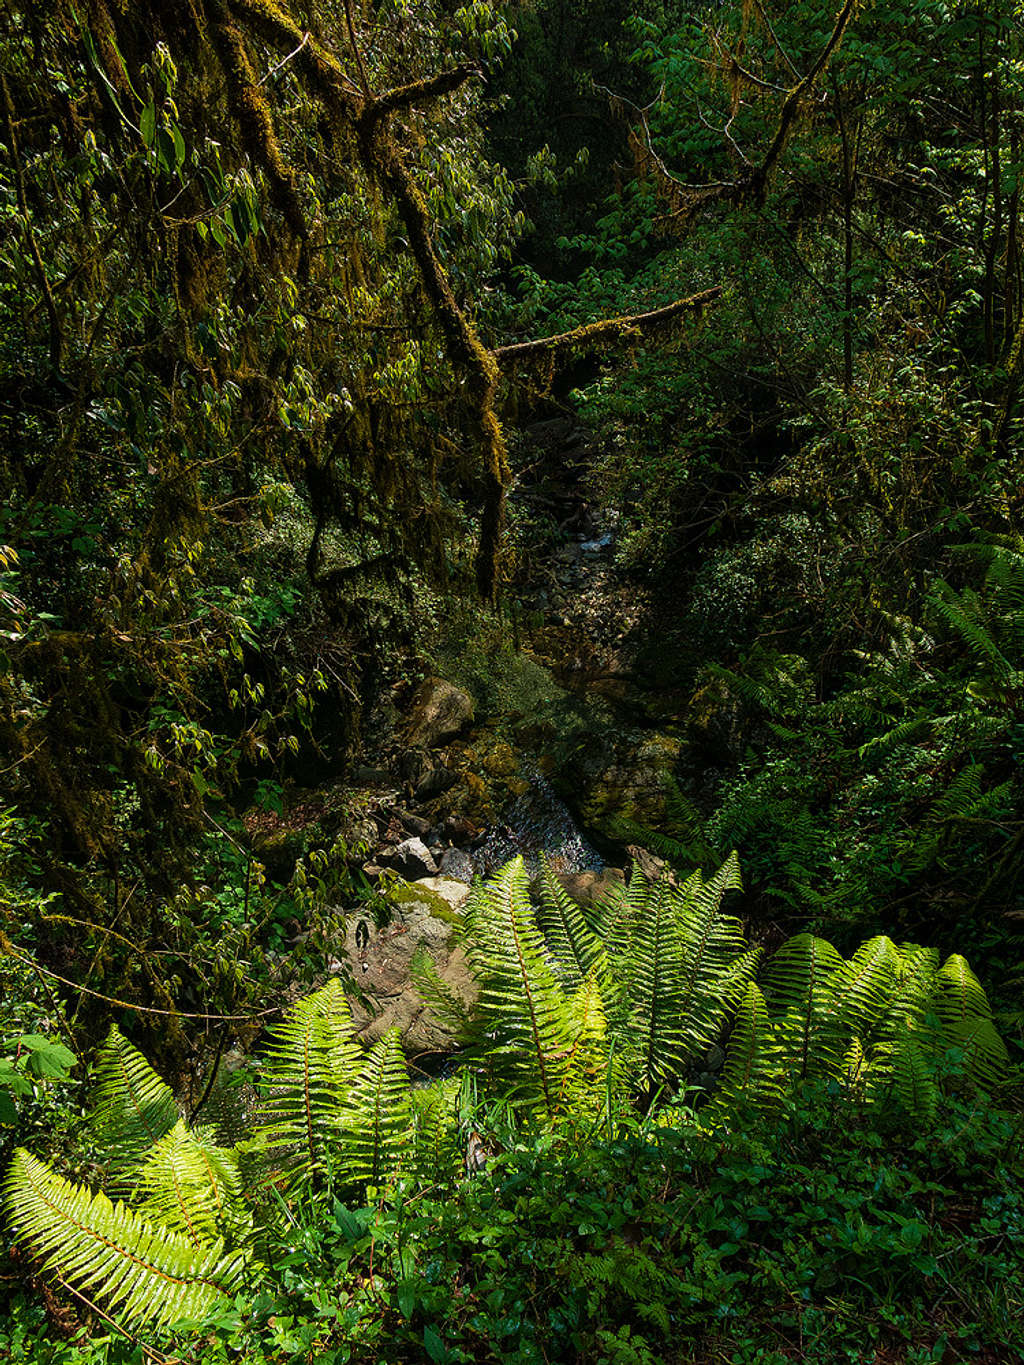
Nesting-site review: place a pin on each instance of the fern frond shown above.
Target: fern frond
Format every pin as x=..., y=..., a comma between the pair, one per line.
x=572, y=943
x=310, y=1062
x=863, y=988
x=966, y=1015
x=965, y=614
x=751, y=1073
x=140, y=1271
x=190, y=1185
x=915, y=1082
x=585, y=1070
x=133, y=1107
x=374, y=1123
x=445, y=1005
x=798, y=984
x=436, y=1150
x=654, y=991
x=714, y=964
x=521, y=1007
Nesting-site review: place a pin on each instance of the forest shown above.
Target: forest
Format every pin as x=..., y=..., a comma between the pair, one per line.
x=511, y=682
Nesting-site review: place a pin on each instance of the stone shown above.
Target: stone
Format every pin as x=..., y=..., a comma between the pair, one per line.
x=413, y=765
x=435, y=782
x=378, y=961
x=648, y=864
x=589, y=887
x=440, y=711
x=457, y=864
x=411, y=859
x=415, y=824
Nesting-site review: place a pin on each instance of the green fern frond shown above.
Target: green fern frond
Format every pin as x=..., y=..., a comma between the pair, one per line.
x=862, y=989
x=965, y=613
x=585, y=1070
x=910, y=1061
x=374, y=1133
x=966, y=1016
x=140, y=1271
x=714, y=963
x=311, y=1060
x=572, y=943
x=653, y=971
x=436, y=1150
x=751, y=1074
x=445, y=1005
x=133, y=1108
x=522, y=1008
x=799, y=991
x=190, y=1185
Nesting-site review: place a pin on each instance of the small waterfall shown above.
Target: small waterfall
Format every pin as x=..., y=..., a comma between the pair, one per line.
x=536, y=822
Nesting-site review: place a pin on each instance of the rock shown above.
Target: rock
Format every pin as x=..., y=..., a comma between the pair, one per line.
x=589, y=887
x=435, y=782
x=413, y=765
x=456, y=829
x=371, y=777
x=379, y=961
x=411, y=859
x=457, y=864
x=648, y=864
x=627, y=779
x=415, y=824
x=440, y=711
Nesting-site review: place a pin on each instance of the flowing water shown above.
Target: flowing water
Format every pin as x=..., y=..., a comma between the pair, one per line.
x=537, y=822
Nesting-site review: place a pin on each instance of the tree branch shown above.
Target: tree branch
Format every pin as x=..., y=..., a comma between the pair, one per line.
x=606, y=332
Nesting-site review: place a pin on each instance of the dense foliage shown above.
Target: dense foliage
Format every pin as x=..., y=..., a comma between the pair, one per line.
x=277, y=281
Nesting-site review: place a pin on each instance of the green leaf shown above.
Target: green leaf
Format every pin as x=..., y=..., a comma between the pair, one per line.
x=435, y=1347
x=147, y=124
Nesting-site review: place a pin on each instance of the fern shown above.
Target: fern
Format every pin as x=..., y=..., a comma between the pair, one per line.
x=311, y=1061
x=714, y=960
x=190, y=1185
x=445, y=1005
x=133, y=1108
x=963, y=1008
x=521, y=1003
x=573, y=944
x=374, y=1131
x=140, y=1270
x=436, y=1155
x=752, y=1063
x=798, y=982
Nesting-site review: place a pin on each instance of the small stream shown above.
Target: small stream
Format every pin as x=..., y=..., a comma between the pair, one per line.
x=537, y=822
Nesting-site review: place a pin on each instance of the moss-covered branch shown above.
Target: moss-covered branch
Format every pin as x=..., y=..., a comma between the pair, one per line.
x=608, y=331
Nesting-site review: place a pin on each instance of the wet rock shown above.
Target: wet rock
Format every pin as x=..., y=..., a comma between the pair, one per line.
x=628, y=783
x=440, y=711
x=379, y=960
x=457, y=864
x=411, y=859
x=435, y=782
x=371, y=777
x=648, y=864
x=413, y=765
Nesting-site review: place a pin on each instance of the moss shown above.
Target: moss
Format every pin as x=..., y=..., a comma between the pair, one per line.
x=413, y=893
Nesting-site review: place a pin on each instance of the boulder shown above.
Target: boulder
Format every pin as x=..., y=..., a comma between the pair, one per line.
x=440, y=711
x=411, y=859
x=426, y=913
x=435, y=782
x=457, y=864
x=589, y=887
x=415, y=824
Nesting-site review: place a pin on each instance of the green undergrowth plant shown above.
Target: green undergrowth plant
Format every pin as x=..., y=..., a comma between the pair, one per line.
x=587, y=1023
